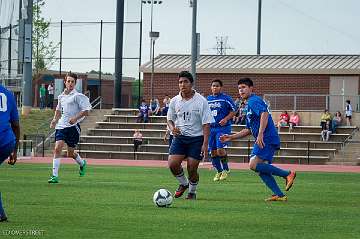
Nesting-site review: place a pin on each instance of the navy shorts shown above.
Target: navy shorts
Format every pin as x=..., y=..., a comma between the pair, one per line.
x=188, y=146
x=266, y=153
x=6, y=150
x=71, y=135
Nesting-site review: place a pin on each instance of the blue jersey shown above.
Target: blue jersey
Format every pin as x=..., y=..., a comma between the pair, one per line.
x=254, y=107
x=144, y=109
x=221, y=105
x=8, y=113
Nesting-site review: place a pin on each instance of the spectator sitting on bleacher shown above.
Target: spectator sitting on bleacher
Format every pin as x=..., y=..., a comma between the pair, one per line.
x=240, y=117
x=326, y=132
x=283, y=120
x=166, y=103
x=325, y=118
x=336, y=121
x=294, y=120
x=143, y=115
x=155, y=107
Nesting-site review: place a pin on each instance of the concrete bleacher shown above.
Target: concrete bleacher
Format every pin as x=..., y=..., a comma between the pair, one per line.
x=112, y=138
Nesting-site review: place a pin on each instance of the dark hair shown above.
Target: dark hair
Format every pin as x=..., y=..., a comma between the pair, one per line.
x=70, y=74
x=348, y=101
x=187, y=75
x=246, y=81
x=218, y=81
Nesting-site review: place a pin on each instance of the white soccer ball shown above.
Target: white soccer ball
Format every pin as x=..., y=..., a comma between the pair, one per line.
x=162, y=198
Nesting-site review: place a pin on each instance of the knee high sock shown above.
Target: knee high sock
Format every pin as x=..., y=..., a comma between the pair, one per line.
x=217, y=164
x=182, y=178
x=79, y=160
x=2, y=212
x=270, y=182
x=224, y=162
x=272, y=170
x=56, y=166
x=192, y=187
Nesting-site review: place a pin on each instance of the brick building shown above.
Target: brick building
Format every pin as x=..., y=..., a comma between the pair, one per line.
x=302, y=82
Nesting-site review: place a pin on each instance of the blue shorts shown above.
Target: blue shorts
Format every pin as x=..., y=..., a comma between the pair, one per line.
x=71, y=135
x=188, y=146
x=6, y=150
x=214, y=138
x=266, y=153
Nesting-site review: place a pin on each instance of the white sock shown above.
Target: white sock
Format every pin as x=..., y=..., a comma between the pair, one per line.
x=182, y=178
x=192, y=187
x=56, y=166
x=79, y=160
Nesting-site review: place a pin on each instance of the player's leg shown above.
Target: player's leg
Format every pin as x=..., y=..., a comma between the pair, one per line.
x=5, y=152
x=59, y=144
x=215, y=160
x=221, y=152
x=192, y=167
x=72, y=139
x=176, y=156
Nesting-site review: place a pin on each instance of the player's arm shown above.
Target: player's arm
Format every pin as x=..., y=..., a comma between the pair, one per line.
x=85, y=107
x=55, y=119
x=241, y=134
x=263, y=123
x=227, y=118
x=172, y=128
x=206, y=132
x=16, y=129
x=78, y=116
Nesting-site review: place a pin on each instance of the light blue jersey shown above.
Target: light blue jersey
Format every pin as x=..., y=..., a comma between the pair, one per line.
x=254, y=107
x=8, y=113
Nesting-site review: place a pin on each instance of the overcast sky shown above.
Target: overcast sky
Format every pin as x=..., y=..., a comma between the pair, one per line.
x=288, y=27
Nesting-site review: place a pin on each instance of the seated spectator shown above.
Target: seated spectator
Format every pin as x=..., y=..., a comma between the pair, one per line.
x=283, y=120
x=326, y=132
x=336, y=121
x=294, y=121
x=166, y=103
x=155, y=107
x=240, y=117
x=325, y=118
x=143, y=115
x=137, y=137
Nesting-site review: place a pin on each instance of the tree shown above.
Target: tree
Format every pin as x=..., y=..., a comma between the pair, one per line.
x=43, y=49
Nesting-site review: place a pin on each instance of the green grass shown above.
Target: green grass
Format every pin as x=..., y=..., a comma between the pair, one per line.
x=36, y=122
x=116, y=202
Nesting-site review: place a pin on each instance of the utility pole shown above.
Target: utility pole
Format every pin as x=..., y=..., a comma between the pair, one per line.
x=194, y=37
x=118, y=52
x=27, y=66
x=259, y=29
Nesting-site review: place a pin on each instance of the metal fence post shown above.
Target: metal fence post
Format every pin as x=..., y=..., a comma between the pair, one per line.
x=248, y=151
x=308, y=152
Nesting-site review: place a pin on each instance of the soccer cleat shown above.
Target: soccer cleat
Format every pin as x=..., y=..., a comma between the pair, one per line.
x=82, y=169
x=276, y=198
x=180, y=191
x=290, y=180
x=191, y=196
x=224, y=175
x=217, y=177
x=53, y=179
x=3, y=218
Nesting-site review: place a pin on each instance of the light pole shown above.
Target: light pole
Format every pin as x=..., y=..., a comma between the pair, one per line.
x=153, y=37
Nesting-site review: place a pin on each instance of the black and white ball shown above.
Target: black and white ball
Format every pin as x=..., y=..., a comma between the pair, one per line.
x=162, y=198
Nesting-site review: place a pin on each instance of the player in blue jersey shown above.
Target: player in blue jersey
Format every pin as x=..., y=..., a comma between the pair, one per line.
x=223, y=110
x=9, y=133
x=259, y=123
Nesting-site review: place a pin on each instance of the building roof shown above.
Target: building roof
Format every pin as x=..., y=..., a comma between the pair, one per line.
x=258, y=64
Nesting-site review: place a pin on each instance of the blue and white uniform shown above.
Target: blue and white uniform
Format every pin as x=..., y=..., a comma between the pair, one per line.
x=254, y=107
x=8, y=114
x=70, y=105
x=220, y=105
x=189, y=116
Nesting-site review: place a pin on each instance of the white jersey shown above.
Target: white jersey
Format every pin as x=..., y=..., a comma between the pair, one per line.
x=190, y=115
x=70, y=105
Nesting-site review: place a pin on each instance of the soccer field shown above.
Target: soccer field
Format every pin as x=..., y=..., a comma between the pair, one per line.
x=116, y=202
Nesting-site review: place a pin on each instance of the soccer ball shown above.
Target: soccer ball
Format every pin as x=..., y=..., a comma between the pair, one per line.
x=162, y=198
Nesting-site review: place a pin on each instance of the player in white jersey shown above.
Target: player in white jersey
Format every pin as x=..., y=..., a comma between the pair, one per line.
x=188, y=119
x=71, y=109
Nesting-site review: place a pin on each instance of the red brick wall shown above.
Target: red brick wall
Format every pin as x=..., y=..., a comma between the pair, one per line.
x=264, y=84
x=107, y=92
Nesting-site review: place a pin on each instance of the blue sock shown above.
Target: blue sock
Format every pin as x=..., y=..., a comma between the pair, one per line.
x=270, y=182
x=217, y=164
x=270, y=169
x=224, y=162
x=2, y=212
